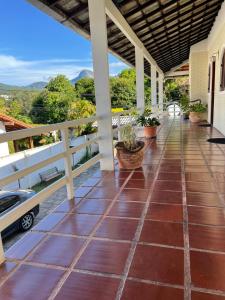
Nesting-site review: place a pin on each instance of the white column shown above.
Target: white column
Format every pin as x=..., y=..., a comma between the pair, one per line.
x=68, y=164
x=140, y=89
x=97, y=17
x=153, y=86
x=160, y=92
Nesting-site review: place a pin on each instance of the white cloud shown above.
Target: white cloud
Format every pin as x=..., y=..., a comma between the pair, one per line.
x=17, y=71
x=22, y=72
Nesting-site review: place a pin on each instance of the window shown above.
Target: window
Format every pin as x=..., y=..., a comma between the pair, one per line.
x=222, y=73
x=209, y=78
x=7, y=202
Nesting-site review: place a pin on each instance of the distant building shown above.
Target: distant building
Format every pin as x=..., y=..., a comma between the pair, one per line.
x=8, y=123
x=6, y=97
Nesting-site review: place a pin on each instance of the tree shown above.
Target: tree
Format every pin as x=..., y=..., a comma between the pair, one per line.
x=85, y=89
x=81, y=109
x=60, y=84
x=122, y=92
x=52, y=105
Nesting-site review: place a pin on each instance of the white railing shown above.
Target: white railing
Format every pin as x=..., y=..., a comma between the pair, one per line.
x=14, y=214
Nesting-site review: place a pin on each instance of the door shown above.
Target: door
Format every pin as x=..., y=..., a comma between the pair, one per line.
x=212, y=91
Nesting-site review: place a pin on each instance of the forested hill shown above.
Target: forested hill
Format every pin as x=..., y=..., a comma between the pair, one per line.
x=40, y=85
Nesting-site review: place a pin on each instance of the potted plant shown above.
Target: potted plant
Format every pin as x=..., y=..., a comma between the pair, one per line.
x=150, y=125
x=129, y=151
x=196, y=112
x=184, y=104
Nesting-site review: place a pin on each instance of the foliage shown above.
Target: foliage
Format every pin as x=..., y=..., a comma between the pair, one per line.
x=117, y=109
x=60, y=84
x=198, y=108
x=175, y=88
x=128, y=137
x=88, y=129
x=143, y=120
x=81, y=109
x=85, y=89
x=53, y=104
x=184, y=103
x=123, y=92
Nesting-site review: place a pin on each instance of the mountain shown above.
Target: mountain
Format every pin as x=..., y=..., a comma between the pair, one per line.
x=83, y=74
x=40, y=85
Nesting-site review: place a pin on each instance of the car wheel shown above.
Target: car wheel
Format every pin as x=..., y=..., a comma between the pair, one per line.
x=26, y=222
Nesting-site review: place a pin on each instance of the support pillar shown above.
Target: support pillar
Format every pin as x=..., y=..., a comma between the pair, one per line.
x=153, y=86
x=140, y=89
x=97, y=18
x=160, y=92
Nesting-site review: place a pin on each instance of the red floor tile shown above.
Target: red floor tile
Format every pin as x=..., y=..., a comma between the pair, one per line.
x=165, y=212
x=204, y=296
x=196, y=162
x=57, y=250
x=68, y=205
x=138, y=184
x=104, y=257
x=114, y=183
x=88, y=287
x=103, y=192
x=201, y=187
x=93, y=206
x=170, y=168
x=139, y=290
x=133, y=195
x=78, y=224
x=6, y=268
x=198, y=176
x=115, y=228
x=91, y=181
x=20, y=249
x=28, y=283
x=206, y=215
x=127, y=209
x=162, y=233
x=158, y=264
x=169, y=176
x=207, y=270
x=82, y=191
x=49, y=222
x=203, y=199
x=167, y=185
x=143, y=176
x=207, y=237
x=198, y=169
x=169, y=197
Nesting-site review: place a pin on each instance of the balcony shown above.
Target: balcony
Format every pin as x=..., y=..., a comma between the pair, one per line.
x=156, y=232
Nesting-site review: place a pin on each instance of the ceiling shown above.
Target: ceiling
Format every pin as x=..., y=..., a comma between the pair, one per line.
x=167, y=28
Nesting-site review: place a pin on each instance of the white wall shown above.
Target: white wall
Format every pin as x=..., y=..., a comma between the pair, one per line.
x=4, y=148
x=9, y=164
x=201, y=56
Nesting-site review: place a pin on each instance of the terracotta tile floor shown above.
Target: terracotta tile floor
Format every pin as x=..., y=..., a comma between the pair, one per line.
x=156, y=233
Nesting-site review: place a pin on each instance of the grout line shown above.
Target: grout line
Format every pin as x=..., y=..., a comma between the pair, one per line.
x=87, y=242
x=187, y=263
x=139, y=229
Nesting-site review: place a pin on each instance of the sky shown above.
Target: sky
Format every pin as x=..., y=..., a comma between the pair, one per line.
x=34, y=47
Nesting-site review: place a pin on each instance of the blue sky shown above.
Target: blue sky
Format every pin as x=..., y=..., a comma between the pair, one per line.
x=34, y=47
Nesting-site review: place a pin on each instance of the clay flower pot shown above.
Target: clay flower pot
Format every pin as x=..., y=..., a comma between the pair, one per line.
x=130, y=159
x=150, y=131
x=195, y=117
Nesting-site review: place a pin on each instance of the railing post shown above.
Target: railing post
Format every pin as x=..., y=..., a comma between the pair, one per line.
x=118, y=126
x=68, y=164
x=98, y=28
x=2, y=255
